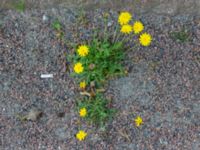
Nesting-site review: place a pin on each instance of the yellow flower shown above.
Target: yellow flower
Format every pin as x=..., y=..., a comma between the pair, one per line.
x=145, y=39
x=81, y=135
x=124, y=18
x=83, y=112
x=127, y=29
x=83, y=50
x=138, y=121
x=78, y=68
x=82, y=85
x=138, y=27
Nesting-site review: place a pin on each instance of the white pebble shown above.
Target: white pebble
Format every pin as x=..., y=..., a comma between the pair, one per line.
x=44, y=18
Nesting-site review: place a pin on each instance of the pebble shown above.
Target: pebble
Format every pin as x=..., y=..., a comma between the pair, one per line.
x=45, y=18
x=110, y=23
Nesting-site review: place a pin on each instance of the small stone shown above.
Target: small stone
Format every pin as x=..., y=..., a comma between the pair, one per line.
x=45, y=18
x=60, y=114
x=92, y=66
x=110, y=24
x=92, y=84
x=34, y=115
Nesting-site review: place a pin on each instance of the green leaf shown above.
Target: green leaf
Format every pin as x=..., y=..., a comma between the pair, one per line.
x=97, y=110
x=56, y=25
x=19, y=6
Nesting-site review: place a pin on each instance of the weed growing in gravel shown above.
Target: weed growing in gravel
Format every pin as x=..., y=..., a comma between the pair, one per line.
x=98, y=111
x=97, y=60
x=19, y=6
x=57, y=26
x=180, y=36
x=101, y=58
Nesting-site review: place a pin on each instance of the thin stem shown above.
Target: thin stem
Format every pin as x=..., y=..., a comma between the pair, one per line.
x=124, y=39
x=116, y=36
x=105, y=29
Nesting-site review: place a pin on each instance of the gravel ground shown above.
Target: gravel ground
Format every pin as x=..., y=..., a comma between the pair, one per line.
x=163, y=85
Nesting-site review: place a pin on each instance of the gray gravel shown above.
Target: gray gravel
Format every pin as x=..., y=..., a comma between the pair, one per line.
x=162, y=86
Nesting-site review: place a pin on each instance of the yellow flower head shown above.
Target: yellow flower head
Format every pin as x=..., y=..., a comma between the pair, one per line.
x=127, y=29
x=138, y=27
x=145, y=39
x=78, y=68
x=138, y=121
x=81, y=135
x=83, y=112
x=83, y=50
x=82, y=85
x=124, y=18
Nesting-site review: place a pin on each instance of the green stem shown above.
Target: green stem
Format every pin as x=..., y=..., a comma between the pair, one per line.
x=105, y=29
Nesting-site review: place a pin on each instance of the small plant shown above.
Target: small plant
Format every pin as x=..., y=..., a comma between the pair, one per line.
x=100, y=61
x=56, y=25
x=97, y=60
x=82, y=19
x=180, y=36
x=19, y=6
x=98, y=110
